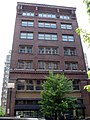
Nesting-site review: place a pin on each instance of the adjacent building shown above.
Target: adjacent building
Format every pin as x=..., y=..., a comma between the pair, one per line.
x=5, y=82
x=44, y=40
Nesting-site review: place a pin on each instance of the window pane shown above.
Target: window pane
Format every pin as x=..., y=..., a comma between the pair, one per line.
x=66, y=17
x=53, y=25
x=21, y=65
x=49, y=16
x=27, y=14
x=40, y=14
x=23, y=35
x=30, y=23
x=53, y=16
x=54, y=37
x=24, y=23
x=29, y=87
x=41, y=24
x=24, y=14
x=38, y=88
x=47, y=37
x=47, y=25
x=29, y=49
x=20, y=87
x=71, y=38
x=29, y=35
x=41, y=36
x=28, y=65
x=41, y=65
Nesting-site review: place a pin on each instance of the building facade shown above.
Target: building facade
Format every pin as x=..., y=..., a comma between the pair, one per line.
x=44, y=40
x=5, y=82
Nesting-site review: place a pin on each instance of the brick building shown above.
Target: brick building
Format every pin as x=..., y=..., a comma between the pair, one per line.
x=45, y=39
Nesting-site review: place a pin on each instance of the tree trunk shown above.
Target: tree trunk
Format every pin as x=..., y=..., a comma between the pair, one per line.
x=55, y=115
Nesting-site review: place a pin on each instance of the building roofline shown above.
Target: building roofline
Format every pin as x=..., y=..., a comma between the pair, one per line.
x=46, y=5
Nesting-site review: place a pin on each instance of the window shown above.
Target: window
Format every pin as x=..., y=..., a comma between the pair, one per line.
x=47, y=15
x=28, y=14
x=48, y=65
x=27, y=23
x=67, y=38
x=66, y=26
x=66, y=17
x=71, y=65
x=25, y=49
x=29, y=85
x=38, y=84
x=76, y=84
x=70, y=51
x=42, y=36
x=46, y=25
x=25, y=65
x=48, y=50
x=25, y=85
x=27, y=35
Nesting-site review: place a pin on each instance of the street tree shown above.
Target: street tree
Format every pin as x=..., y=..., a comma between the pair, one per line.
x=84, y=33
x=1, y=111
x=55, y=95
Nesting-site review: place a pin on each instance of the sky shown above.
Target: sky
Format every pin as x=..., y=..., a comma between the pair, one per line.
x=7, y=23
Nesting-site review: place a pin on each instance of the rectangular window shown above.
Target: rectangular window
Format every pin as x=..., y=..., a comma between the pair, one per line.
x=71, y=65
x=25, y=85
x=28, y=14
x=42, y=36
x=47, y=15
x=28, y=35
x=68, y=38
x=46, y=25
x=66, y=26
x=66, y=17
x=27, y=23
x=25, y=65
x=48, y=50
x=48, y=65
x=76, y=84
x=69, y=51
x=25, y=49
x=38, y=84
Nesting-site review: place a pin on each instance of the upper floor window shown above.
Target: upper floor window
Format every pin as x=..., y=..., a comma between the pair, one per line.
x=28, y=14
x=76, y=83
x=48, y=65
x=25, y=49
x=47, y=15
x=67, y=38
x=48, y=50
x=66, y=26
x=38, y=84
x=66, y=17
x=27, y=23
x=25, y=85
x=45, y=36
x=26, y=35
x=69, y=51
x=46, y=25
x=25, y=64
x=71, y=65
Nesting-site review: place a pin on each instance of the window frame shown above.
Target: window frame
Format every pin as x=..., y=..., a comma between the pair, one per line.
x=27, y=23
x=47, y=15
x=26, y=35
x=45, y=36
x=51, y=25
x=66, y=26
x=28, y=14
x=67, y=38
